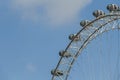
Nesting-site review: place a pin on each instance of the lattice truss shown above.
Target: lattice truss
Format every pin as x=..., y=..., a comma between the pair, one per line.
x=91, y=29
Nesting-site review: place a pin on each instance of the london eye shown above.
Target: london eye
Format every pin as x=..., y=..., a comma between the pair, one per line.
x=103, y=31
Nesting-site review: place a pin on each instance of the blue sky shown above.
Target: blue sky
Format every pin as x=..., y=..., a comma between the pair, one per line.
x=32, y=32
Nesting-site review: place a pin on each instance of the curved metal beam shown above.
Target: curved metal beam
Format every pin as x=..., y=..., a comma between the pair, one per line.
x=78, y=52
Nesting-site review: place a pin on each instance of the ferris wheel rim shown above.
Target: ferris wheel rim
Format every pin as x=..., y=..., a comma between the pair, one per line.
x=78, y=53
x=77, y=35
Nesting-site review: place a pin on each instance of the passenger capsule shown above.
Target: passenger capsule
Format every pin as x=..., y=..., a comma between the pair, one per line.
x=98, y=13
x=112, y=7
x=84, y=23
x=57, y=72
x=73, y=36
x=64, y=54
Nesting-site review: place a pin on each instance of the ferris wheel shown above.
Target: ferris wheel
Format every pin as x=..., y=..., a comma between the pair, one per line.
x=90, y=30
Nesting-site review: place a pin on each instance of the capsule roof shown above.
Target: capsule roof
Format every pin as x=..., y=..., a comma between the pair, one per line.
x=72, y=36
x=84, y=22
x=64, y=54
x=56, y=72
x=112, y=7
x=98, y=13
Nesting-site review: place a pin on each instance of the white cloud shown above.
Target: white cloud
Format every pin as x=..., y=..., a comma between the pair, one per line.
x=51, y=11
